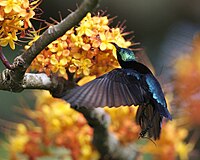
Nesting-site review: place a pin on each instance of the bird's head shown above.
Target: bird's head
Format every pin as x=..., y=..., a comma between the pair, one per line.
x=124, y=54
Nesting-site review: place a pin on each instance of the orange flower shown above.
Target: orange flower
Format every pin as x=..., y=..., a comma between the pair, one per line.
x=187, y=82
x=170, y=145
x=88, y=46
x=56, y=125
x=123, y=123
x=15, y=17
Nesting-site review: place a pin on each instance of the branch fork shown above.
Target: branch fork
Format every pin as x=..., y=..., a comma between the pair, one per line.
x=15, y=79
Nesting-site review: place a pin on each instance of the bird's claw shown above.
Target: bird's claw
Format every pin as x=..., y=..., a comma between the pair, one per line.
x=143, y=133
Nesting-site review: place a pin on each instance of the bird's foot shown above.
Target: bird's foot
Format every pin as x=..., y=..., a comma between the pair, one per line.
x=144, y=131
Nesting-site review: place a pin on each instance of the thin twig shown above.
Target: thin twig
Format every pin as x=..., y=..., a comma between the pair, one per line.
x=4, y=60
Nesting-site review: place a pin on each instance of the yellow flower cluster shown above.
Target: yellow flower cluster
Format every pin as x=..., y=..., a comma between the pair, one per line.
x=123, y=123
x=18, y=142
x=57, y=125
x=15, y=16
x=83, y=50
x=171, y=143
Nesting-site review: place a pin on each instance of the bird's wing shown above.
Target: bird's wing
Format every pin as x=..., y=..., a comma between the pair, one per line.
x=119, y=87
x=156, y=94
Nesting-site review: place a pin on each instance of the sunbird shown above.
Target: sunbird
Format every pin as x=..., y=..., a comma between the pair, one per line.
x=132, y=84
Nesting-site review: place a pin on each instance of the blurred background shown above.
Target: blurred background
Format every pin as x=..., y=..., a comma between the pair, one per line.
x=165, y=29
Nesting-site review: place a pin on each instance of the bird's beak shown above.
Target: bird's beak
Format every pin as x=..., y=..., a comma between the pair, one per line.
x=116, y=46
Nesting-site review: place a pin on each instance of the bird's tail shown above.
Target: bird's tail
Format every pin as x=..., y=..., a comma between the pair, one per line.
x=149, y=120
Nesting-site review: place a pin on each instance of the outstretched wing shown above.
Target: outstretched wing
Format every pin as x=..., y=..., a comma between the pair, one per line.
x=119, y=87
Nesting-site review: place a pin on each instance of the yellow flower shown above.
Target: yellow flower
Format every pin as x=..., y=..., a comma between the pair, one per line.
x=86, y=79
x=9, y=40
x=86, y=47
x=18, y=142
x=183, y=150
x=34, y=36
x=10, y=5
x=58, y=65
x=27, y=14
x=86, y=26
x=123, y=123
x=83, y=66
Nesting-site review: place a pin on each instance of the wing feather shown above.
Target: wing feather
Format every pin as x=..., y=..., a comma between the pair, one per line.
x=129, y=95
x=77, y=95
x=93, y=96
x=102, y=100
x=109, y=93
x=98, y=93
x=117, y=96
x=124, y=95
x=113, y=89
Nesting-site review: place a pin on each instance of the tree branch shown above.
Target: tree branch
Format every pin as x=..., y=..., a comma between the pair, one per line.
x=37, y=81
x=54, y=32
x=22, y=62
x=30, y=81
x=16, y=80
x=105, y=141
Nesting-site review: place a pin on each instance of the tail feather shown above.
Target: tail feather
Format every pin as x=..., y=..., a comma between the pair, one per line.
x=149, y=120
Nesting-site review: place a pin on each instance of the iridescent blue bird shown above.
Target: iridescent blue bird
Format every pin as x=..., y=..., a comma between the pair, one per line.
x=132, y=84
